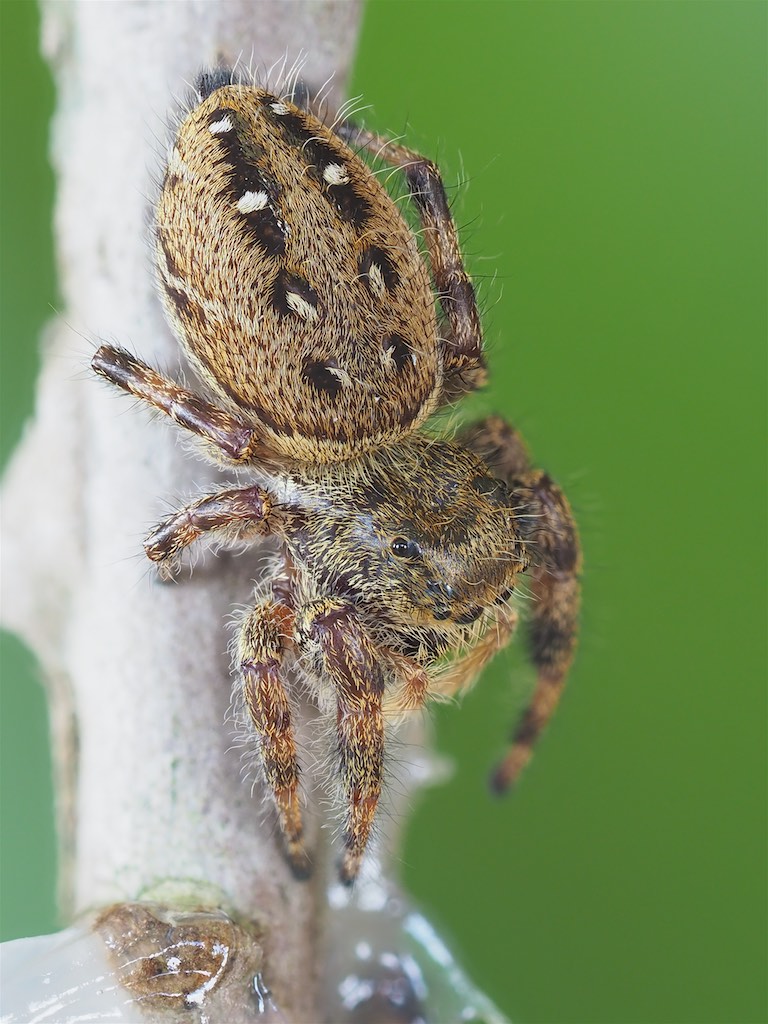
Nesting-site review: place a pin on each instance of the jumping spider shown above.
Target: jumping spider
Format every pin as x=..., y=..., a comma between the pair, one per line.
x=303, y=301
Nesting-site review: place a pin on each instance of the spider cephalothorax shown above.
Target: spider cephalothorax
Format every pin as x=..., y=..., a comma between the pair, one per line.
x=413, y=534
x=304, y=302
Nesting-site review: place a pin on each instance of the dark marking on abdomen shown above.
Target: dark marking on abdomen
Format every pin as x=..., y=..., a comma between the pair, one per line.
x=352, y=207
x=399, y=351
x=170, y=263
x=318, y=153
x=318, y=373
x=377, y=257
x=187, y=310
x=264, y=226
x=287, y=284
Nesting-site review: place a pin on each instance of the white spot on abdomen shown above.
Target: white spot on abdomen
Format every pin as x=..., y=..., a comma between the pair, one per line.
x=335, y=174
x=219, y=127
x=300, y=306
x=341, y=375
x=376, y=280
x=250, y=202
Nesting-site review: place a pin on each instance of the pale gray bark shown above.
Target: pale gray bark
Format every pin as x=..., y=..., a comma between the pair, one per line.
x=149, y=787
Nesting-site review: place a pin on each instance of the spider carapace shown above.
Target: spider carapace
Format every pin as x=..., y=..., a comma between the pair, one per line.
x=325, y=338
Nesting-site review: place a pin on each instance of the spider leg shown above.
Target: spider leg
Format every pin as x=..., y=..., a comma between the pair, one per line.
x=259, y=657
x=502, y=447
x=464, y=363
x=230, y=438
x=231, y=515
x=352, y=662
x=547, y=527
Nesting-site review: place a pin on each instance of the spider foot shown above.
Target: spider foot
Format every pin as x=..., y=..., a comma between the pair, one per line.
x=298, y=859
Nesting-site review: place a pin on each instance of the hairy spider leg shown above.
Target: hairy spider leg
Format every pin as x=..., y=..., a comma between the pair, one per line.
x=352, y=662
x=463, y=349
x=229, y=437
x=230, y=515
x=547, y=526
x=260, y=644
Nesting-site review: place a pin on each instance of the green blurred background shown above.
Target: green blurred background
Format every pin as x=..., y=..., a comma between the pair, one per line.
x=611, y=160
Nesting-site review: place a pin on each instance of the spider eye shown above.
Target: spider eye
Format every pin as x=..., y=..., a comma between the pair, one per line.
x=404, y=548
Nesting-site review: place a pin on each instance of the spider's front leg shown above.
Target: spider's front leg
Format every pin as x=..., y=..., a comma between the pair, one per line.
x=230, y=515
x=260, y=644
x=546, y=523
x=352, y=662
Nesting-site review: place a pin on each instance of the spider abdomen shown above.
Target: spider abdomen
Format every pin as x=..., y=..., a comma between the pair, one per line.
x=293, y=281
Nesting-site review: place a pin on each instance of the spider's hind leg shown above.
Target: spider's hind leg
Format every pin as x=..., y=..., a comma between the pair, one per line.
x=546, y=525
